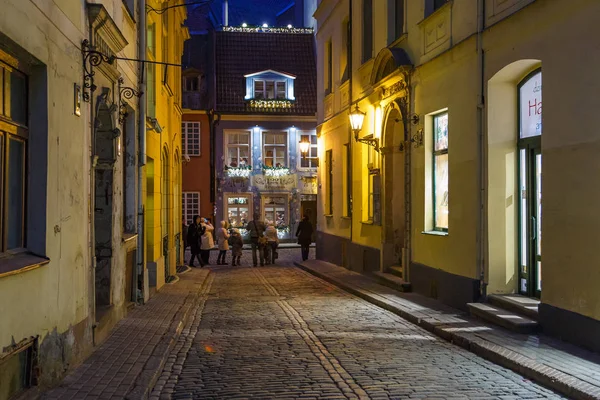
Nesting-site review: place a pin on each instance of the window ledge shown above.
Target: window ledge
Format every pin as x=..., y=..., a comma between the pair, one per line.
x=18, y=263
x=435, y=233
x=328, y=215
x=127, y=237
x=367, y=222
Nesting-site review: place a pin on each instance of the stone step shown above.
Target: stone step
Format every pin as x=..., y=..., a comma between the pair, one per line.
x=499, y=316
x=395, y=270
x=392, y=281
x=516, y=303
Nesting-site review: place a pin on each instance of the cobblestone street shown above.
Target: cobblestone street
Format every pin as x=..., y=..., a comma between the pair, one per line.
x=279, y=332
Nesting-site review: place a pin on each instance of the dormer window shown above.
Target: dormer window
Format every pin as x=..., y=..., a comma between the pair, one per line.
x=269, y=85
x=191, y=83
x=270, y=90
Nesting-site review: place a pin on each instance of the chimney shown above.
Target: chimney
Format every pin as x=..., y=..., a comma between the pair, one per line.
x=225, y=13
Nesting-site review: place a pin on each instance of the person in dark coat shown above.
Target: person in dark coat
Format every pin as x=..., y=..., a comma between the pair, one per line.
x=304, y=234
x=194, y=233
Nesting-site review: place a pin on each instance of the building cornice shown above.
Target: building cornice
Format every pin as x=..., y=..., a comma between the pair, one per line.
x=262, y=117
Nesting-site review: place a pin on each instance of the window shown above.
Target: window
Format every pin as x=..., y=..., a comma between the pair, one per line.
x=190, y=206
x=433, y=5
x=151, y=90
x=440, y=172
x=238, y=149
x=130, y=6
x=329, y=67
x=329, y=182
x=367, y=31
x=275, y=149
x=269, y=90
x=191, y=83
x=347, y=181
x=275, y=210
x=312, y=158
x=13, y=156
x=165, y=45
x=345, y=51
x=395, y=19
x=238, y=211
x=191, y=138
x=151, y=38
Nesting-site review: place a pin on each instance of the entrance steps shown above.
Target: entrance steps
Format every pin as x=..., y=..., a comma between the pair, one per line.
x=392, y=278
x=514, y=312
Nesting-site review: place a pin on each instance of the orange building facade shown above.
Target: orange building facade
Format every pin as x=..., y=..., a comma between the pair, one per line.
x=196, y=182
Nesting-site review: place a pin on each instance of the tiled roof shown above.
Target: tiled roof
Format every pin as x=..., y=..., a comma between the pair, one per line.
x=239, y=54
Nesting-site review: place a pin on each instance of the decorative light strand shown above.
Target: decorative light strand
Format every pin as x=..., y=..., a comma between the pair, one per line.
x=261, y=29
x=270, y=104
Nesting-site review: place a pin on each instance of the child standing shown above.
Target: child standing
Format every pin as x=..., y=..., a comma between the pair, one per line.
x=236, y=243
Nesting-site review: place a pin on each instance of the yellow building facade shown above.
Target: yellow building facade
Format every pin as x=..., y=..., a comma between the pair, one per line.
x=165, y=37
x=444, y=179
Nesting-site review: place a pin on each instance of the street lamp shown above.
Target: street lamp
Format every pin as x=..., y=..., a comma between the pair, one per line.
x=304, y=146
x=357, y=118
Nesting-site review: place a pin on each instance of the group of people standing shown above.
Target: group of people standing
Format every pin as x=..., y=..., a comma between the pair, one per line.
x=263, y=239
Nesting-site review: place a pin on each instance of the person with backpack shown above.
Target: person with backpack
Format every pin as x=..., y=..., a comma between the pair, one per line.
x=194, y=233
x=256, y=230
x=237, y=244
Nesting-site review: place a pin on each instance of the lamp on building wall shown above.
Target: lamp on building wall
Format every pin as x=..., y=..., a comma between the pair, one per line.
x=304, y=147
x=357, y=118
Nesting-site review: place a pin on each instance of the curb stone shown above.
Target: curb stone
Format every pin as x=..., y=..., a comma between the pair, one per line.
x=537, y=372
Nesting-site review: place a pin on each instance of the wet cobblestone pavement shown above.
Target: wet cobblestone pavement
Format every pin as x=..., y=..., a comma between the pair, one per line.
x=278, y=332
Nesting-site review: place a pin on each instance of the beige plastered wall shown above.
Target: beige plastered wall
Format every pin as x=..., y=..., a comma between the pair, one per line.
x=560, y=39
x=54, y=296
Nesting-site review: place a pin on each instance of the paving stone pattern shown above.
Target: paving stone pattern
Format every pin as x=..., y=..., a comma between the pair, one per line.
x=277, y=332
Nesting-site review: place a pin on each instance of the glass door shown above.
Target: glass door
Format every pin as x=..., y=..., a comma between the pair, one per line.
x=530, y=220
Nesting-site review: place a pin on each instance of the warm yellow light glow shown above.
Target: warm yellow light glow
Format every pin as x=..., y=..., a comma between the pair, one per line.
x=378, y=121
x=304, y=146
x=357, y=118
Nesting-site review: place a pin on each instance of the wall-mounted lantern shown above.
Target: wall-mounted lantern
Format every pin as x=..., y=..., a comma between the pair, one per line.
x=357, y=118
x=304, y=147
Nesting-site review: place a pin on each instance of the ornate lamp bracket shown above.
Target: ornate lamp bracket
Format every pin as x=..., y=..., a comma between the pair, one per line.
x=125, y=93
x=370, y=141
x=91, y=58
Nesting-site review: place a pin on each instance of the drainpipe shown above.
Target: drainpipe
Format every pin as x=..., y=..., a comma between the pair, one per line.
x=482, y=151
x=142, y=149
x=350, y=147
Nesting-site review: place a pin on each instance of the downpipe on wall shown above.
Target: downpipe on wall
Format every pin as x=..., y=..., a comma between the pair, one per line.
x=142, y=152
x=481, y=154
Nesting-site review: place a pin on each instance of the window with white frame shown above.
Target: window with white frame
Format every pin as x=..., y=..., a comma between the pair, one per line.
x=191, y=83
x=190, y=135
x=312, y=158
x=270, y=89
x=238, y=210
x=440, y=172
x=238, y=149
x=190, y=206
x=275, y=149
x=275, y=210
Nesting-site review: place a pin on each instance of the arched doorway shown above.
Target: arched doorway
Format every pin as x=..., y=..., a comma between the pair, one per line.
x=514, y=179
x=393, y=189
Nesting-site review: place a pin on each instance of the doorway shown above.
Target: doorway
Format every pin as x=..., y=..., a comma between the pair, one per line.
x=309, y=208
x=530, y=185
x=530, y=220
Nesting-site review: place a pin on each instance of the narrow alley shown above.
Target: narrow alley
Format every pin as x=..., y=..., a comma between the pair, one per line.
x=279, y=332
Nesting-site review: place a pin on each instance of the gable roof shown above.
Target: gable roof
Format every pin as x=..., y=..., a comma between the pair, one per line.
x=243, y=53
x=270, y=71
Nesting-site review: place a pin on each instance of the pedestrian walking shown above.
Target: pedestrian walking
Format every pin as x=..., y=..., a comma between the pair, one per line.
x=256, y=229
x=237, y=244
x=206, y=241
x=304, y=235
x=222, y=236
x=272, y=244
x=194, y=233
